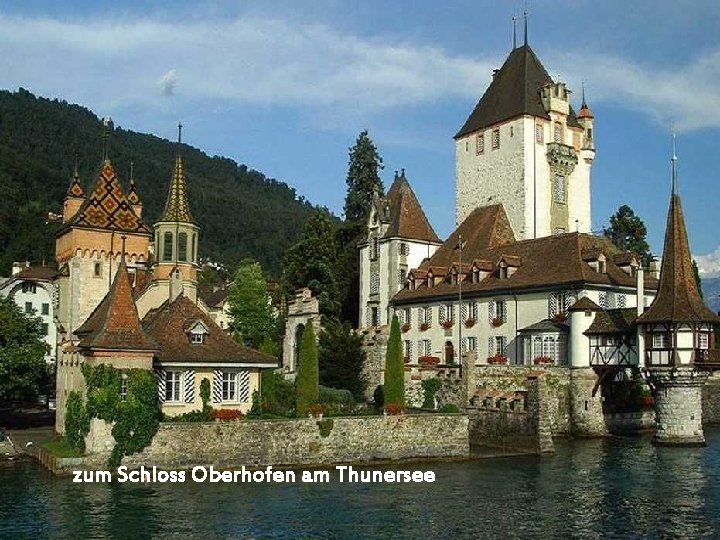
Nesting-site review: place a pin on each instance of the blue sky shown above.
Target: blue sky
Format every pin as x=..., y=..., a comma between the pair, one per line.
x=286, y=86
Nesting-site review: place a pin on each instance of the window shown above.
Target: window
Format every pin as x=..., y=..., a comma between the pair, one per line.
x=426, y=347
x=497, y=311
x=374, y=316
x=45, y=310
x=403, y=248
x=703, y=340
x=167, y=246
x=496, y=139
x=500, y=345
x=374, y=248
x=621, y=301
x=660, y=341
x=28, y=287
x=589, y=134
x=123, y=387
x=471, y=344
x=603, y=300
x=402, y=276
x=229, y=386
x=374, y=282
x=602, y=266
x=539, y=133
x=557, y=132
x=425, y=315
x=194, y=247
x=45, y=329
x=97, y=269
x=559, y=194
x=549, y=347
x=172, y=385
x=407, y=349
x=469, y=311
x=467, y=145
x=197, y=338
x=182, y=246
x=511, y=131
x=28, y=307
x=447, y=313
x=559, y=302
x=480, y=144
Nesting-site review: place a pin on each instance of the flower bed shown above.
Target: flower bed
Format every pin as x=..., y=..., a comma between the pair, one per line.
x=542, y=360
x=227, y=414
x=429, y=360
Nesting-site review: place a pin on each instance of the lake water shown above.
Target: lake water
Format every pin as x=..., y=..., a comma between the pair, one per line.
x=589, y=488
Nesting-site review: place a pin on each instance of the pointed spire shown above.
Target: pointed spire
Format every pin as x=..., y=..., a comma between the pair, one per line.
x=75, y=189
x=133, y=197
x=177, y=207
x=514, y=32
x=525, y=15
x=674, y=160
x=107, y=129
x=585, y=111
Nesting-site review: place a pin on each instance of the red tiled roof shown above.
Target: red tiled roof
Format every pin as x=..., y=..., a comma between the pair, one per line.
x=678, y=298
x=114, y=325
x=584, y=304
x=211, y=296
x=407, y=218
x=37, y=273
x=168, y=324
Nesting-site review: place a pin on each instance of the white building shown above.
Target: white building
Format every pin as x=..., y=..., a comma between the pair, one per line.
x=524, y=147
x=400, y=237
x=33, y=290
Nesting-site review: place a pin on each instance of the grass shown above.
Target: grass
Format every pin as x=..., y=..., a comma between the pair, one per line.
x=60, y=447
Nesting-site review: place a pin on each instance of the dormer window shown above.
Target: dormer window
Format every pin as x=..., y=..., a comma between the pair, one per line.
x=602, y=266
x=198, y=333
x=503, y=272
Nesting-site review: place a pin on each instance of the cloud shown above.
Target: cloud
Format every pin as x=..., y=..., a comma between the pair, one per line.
x=709, y=264
x=167, y=82
x=271, y=62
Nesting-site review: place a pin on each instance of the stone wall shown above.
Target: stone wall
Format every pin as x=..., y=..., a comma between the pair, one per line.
x=375, y=346
x=711, y=400
x=304, y=442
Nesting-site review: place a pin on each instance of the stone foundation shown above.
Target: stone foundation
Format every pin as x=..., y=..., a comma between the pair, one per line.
x=678, y=406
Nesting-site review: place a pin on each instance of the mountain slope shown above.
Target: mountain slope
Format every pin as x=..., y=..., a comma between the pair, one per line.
x=241, y=212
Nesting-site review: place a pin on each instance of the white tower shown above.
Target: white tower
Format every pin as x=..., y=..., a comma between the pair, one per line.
x=524, y=147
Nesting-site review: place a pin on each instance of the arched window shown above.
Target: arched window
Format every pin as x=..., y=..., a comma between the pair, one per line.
x=182, y=247
x=449, y=352
x=167, y=246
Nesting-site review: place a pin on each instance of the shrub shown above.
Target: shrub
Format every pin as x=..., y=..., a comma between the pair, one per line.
x=227, y=414
x=449, y=408
x=205, y=393
x=192, y=416
x=430, y=388
x=316, y=409
x=542, y=360
x=335, y=395
x=394, y=367
x=379, y=396
x=325, y=426
x=393, y=409
x=306, y=383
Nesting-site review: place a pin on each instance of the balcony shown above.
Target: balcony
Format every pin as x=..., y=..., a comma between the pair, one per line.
x=707, y=359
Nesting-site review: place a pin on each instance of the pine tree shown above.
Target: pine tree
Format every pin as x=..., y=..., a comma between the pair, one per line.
x=307, y=380
x=698, y=280
x=311, y=262
x=363, y=182
x=628, y=232
x=394, y=369
x=341, y=358
x=252, y=317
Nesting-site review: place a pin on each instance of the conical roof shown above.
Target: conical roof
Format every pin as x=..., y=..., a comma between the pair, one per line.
x=132, y=195
x=75, y=189
x=678, y=298
x=407, y=218
x=176, y=206
x=115, y=324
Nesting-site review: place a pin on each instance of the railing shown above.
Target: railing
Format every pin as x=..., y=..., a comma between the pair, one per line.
x=612, y=355
x=707, y=358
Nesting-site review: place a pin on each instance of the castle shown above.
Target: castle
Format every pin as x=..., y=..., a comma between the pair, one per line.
x=127, y=297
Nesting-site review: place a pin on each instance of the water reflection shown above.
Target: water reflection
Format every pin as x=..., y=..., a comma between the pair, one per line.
x=620, y=488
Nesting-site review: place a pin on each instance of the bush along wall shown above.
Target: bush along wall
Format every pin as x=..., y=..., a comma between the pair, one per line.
x=136, y=414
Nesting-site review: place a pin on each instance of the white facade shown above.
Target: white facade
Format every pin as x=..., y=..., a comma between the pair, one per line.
x=517, y=162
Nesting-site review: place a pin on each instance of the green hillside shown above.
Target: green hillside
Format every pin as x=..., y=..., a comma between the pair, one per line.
x=240, y=211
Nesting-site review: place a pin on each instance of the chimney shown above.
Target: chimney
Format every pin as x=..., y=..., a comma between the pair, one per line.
x=19, y=266
x=640, y=290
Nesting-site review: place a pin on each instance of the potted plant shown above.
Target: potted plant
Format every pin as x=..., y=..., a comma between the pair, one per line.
x=405, y=327
x=424, y=326
x=393, y=409
x=542, y=360
x=316, y=410
x=447, y=324
x=469, y=323
x=497, y=321
x=428, y=360
x=406, y=359
x=560, y=316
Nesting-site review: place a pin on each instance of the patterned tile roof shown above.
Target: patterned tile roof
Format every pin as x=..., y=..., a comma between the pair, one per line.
x=75, y=189
x=176, y=206
x=107, y=206
x=115, y=325
x=132, y=195
x=678, y=298
x=168, y=324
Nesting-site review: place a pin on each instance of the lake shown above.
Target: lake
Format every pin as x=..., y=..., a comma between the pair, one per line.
x=622, y=488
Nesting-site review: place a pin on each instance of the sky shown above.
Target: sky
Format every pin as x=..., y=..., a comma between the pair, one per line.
x=286, y=86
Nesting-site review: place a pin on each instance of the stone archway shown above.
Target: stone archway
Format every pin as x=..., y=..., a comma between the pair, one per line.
x=304, y=309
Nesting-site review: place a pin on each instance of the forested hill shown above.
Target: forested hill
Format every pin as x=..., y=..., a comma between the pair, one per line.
x=241, y=212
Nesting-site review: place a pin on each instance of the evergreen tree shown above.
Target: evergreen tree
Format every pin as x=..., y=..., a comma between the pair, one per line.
x=252, y=317
x=307, y=383
x=394, y=386
x=628, y=232
x=341, y=358
x=363, y=182
x=24, y=375
x=311, y=261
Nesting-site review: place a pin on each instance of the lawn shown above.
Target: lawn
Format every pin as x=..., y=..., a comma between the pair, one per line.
x=59, y=447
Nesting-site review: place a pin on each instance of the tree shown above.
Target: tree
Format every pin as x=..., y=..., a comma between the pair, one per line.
x=394, y=386
x=251, y=313
x=24, y=375
x=341, y=358
x=628, y=232
x=363, y=182
x=307, y=384
x=310, y=262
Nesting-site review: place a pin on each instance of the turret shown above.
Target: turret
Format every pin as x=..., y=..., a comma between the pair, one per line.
x=133, y=197
x=587, y=120
x=74, y=197
x=176, y=234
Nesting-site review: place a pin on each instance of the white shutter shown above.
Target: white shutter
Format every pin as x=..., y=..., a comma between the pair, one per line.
x=189, y=385
x=217, y=386
x=442, y=317
x=552, y=305
x=160, y=376
x=491, y=310
x=491, y=348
